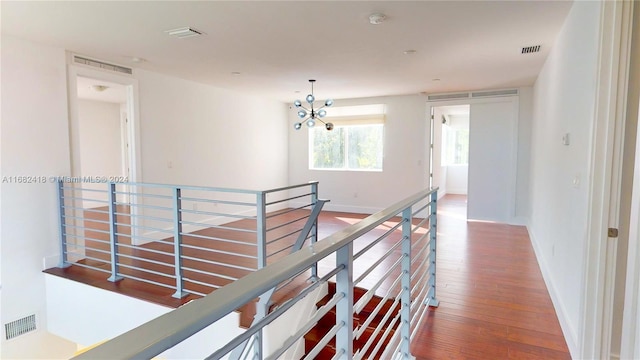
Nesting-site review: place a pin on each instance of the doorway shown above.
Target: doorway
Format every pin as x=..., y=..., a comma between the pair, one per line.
x=103, y=140
x=473, y=154
x=451, y=153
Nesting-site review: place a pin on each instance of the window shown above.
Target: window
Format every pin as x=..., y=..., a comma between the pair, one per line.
x=455, y=145
x=356, y=142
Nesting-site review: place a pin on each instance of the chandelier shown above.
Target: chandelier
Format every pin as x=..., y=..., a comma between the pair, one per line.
x=309, y=116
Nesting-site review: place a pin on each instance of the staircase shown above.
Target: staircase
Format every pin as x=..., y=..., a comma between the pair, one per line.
x=329, y=320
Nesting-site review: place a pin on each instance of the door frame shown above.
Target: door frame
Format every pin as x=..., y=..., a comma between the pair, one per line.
x=515, y=99
x=607, y=145
x=132, y=104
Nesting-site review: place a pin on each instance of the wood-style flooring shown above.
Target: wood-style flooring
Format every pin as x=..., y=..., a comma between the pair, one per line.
x=493, y=300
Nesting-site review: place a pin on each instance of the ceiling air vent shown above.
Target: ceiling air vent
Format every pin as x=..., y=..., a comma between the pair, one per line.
x=531, y=49
x=477, y=94
x=101, y=65
x=448, y=96
x=184, y=32
x=19, y=327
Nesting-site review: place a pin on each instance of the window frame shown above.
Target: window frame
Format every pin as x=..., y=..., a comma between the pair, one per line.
x=346, y=126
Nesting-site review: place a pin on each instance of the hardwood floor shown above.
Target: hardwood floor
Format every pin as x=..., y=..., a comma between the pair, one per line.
x=493, y=300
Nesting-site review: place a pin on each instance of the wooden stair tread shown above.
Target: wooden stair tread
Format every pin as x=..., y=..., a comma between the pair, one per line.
x=325, y=324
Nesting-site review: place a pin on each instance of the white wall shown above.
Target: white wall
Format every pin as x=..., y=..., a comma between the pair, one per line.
x=457, y=179
x=35, y=142
x=525, y=114
x=564, y=102
x=439, y=171
x=457, y=176
x=405, y=167
x=213, y=137
x=100, y=144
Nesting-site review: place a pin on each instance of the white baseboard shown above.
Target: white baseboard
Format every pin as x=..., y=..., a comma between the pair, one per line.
x=519, y=220
x=569, y=332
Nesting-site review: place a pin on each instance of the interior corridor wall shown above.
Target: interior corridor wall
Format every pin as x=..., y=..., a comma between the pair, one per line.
x=100, y=145
x=564, y=100
x=35, y=142
x=194, y=134
x=212, y=137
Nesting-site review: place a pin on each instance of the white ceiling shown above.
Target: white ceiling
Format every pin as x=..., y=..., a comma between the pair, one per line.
x=277, y=46
x=113, y=93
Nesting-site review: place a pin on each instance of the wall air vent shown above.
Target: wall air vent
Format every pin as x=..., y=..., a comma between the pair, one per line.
x=19, y=327
x=101, y=65
x=453, y=96
x=474, y=94
x=510, y=92
x=531, y=49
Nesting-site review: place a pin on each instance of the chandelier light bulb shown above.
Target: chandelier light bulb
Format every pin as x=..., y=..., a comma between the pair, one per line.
x=297, y=103
x=322, y=113
x=311, y=123
x=329, y=126
x=311, y=98
x=328, y=102
x=302, y=114
x=297, y=126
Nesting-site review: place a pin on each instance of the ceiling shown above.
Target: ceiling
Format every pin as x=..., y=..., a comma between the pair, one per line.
x=98, y=90
x=276, y=46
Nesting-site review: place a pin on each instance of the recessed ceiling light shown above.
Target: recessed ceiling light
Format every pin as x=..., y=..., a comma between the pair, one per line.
x=409, y=52
x=184, y=32
x=377, y=18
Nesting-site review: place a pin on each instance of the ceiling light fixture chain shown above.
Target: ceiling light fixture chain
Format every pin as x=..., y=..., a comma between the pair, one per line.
x=310, y=115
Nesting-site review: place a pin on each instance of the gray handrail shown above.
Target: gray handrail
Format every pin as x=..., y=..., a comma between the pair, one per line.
x=162, y=333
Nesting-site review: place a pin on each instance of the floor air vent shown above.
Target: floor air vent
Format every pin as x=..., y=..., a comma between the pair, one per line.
x=101, y=65
x=19, y=327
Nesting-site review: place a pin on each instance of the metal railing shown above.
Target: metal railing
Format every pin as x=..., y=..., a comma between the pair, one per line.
x=190, y=239
x=392, y=254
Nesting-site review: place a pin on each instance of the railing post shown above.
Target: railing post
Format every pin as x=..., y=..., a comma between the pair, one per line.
x=433, y=230
x=344, y=307
x=113, y=236
x=261, y=229
x=261, y=232
x=314, y=229
x=405, y=297
x=64, y=260
x=177, y=243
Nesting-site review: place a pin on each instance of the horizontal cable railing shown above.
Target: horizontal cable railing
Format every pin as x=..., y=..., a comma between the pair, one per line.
x=390, y=254
x=192, y=239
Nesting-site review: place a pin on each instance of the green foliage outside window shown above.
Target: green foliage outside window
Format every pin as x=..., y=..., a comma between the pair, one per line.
x=358, y=147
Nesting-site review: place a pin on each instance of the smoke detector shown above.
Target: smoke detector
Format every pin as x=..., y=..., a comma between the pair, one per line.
x=377, y=18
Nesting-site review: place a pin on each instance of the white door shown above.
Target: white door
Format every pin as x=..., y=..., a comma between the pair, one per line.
x=492, y=154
